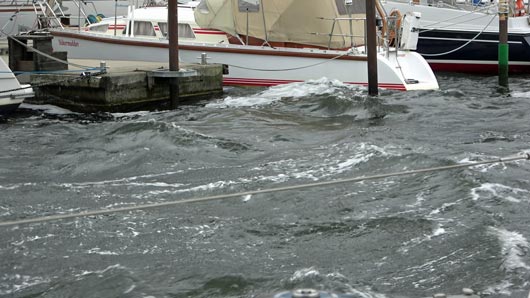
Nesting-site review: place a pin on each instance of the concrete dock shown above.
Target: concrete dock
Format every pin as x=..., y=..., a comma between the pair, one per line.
x=84, y=85
x=126, y=86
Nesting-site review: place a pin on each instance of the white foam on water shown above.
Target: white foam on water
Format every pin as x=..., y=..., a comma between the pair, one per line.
x=420, y=198
x=502, y=288
x=204, y=187
x=434, y=263
x=289, y=169
x=111, y=267
x=128, y=181
x=98, y=251
x=130, y=289
x=520, y=94
x=133, y=231
x=48, y=109
x=513, y=246
x=135, y=113
x=303, y=274
x=510, y=194
x=483, y=168
x=199, y=232
x=19, y=282
x=333, y=280
x=35, y=238
x=502, y=165
x=364, y=152
x=437, y=231
x=5, y=211
x=444, y=206
x=278, y=92
x=357, y=159
x=17, y=185
x=243, y=102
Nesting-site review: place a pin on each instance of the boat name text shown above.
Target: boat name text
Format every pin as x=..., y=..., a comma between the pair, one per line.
x=71, y=43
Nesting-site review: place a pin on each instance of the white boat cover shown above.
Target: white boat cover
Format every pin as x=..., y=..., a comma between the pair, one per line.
x=295, y=21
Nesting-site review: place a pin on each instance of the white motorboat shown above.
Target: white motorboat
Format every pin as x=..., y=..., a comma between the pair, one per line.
x=12, y=93
x=18, y=16
x=277, y=42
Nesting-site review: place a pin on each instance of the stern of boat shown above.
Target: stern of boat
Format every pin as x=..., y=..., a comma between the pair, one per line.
x=410, y=68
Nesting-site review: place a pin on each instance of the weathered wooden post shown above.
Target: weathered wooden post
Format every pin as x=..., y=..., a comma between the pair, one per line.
x=115, y=15
x=371, y=46
x=172, y=11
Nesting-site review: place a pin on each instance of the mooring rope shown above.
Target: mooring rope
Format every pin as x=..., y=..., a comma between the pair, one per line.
x=83, y=75
x=460, y=47
x=428, y=27
x=524, y=156
x=46, y=55
x=350, y=51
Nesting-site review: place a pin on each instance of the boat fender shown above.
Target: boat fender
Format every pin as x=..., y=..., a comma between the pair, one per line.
x=519, y=8
x=394, y=25
x=91, y=19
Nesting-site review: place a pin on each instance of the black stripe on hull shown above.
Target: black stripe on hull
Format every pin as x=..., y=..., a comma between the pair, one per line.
x=483, y=50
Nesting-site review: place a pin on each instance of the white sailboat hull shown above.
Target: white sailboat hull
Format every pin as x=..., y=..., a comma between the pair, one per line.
x=257, y=66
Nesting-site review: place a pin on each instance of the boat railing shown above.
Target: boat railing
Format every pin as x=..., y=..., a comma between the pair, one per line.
x=334, y=24
x=18, y=3
x=47, y=16
x=388, y=33
x=485, y=6
x=51, y=13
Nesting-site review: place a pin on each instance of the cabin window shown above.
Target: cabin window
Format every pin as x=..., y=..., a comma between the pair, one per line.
x=248, y=5
x=185, y=31
x=99, y=28
x=357, y=6
x=163, y=28
x=144, y=28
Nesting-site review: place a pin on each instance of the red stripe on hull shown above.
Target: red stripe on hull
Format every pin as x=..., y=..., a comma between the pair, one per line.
x=269, y=83
x=212, y=32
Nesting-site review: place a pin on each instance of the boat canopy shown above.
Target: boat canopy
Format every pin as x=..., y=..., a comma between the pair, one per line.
x=310, y=22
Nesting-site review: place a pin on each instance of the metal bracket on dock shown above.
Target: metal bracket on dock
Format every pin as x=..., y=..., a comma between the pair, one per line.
x=166, y=73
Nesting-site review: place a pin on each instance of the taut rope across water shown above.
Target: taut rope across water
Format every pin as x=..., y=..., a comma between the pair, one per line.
x=523, y=156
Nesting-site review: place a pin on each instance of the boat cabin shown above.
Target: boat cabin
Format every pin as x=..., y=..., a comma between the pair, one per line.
x=151, y=22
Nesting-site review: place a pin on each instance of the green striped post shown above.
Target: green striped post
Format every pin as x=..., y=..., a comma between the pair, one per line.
x=503, y=43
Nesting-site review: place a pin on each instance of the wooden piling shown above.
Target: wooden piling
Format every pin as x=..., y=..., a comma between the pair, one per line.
x=503, y=43
x=371, y=40
x=172, y=10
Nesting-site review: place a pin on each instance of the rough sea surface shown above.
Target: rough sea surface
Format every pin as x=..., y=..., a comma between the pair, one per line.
x=407, y=236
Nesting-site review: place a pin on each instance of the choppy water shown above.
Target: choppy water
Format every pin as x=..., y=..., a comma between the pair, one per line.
x=409, y=236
